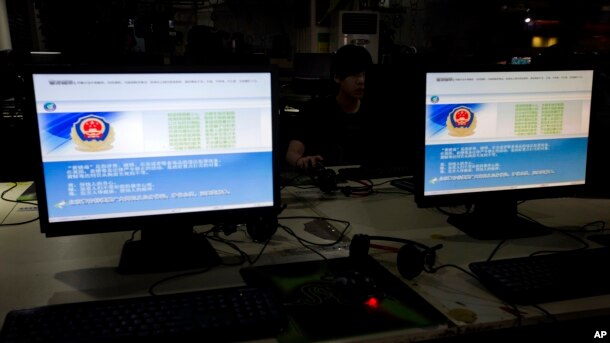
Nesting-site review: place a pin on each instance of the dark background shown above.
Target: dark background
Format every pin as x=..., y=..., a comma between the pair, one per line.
x=411, y=32
x=97, y=30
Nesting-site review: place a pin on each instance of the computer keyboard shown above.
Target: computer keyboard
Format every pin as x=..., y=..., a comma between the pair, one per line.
x=220, y=315
x=545, y=278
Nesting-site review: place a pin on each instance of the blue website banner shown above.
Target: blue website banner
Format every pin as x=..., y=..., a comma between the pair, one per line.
x=504, y=164
x=132, y=186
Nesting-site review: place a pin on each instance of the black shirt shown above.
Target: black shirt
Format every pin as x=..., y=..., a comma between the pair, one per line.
x=339, y=137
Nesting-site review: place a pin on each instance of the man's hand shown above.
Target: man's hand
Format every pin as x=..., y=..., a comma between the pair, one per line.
x=306, y=162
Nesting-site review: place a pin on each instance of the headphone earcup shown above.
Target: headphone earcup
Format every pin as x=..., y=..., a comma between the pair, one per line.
x=410, y=260
x=359, y=247
x=327, y=180
x=262, y=229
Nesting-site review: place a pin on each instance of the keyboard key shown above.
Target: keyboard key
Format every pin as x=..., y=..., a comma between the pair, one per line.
x=227, y=314
x=545, y=278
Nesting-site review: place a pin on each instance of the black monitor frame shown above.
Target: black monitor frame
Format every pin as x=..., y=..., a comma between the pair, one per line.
x=488, y=214
x=168, y=241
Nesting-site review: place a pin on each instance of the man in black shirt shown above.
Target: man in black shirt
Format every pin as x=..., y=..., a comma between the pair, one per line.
x=332, y=128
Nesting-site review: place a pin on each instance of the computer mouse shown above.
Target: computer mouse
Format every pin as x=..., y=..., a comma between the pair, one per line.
x=355, y=288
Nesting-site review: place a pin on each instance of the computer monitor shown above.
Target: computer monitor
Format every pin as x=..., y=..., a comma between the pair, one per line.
x=160, y=150
x=497, y=135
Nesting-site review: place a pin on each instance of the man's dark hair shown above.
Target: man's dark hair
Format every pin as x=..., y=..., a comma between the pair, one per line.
x=350, y=60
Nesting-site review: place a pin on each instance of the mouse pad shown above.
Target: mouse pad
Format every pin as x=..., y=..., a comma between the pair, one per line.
x=342, y=297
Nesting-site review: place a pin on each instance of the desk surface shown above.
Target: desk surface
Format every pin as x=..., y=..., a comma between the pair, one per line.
x=39, y=271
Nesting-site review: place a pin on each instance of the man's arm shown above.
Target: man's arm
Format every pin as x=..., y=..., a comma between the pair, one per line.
x=296, y=158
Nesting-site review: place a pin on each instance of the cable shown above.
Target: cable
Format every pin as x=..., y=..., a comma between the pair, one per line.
x=260, y=253
x=242, y=254
x=389, y=192
x=301, y=241
x=306, y=243
x=213, y=235
x=17, y=202
x=341, y=235
x=157, y=283
x=326, y=180
x=449, y=265
x=496, y=249
x=364, y=190
x=578, y=239
x=20, y=223
x=244, y=257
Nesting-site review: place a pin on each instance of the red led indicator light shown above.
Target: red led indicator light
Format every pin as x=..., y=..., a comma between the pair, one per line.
x=372, y=302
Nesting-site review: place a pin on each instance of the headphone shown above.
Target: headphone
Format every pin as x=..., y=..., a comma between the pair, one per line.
x=413, y=257
x=326, y=180
x=261, y=228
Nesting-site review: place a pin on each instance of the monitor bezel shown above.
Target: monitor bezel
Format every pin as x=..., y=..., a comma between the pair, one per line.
x=469, y=198
x=163, y=222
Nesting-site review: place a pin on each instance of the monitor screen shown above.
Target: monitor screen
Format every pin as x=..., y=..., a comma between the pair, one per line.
x=501, y=134
x=156, y=149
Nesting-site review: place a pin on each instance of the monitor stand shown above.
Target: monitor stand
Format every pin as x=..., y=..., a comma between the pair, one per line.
x=496, y=220
x=159, y=251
